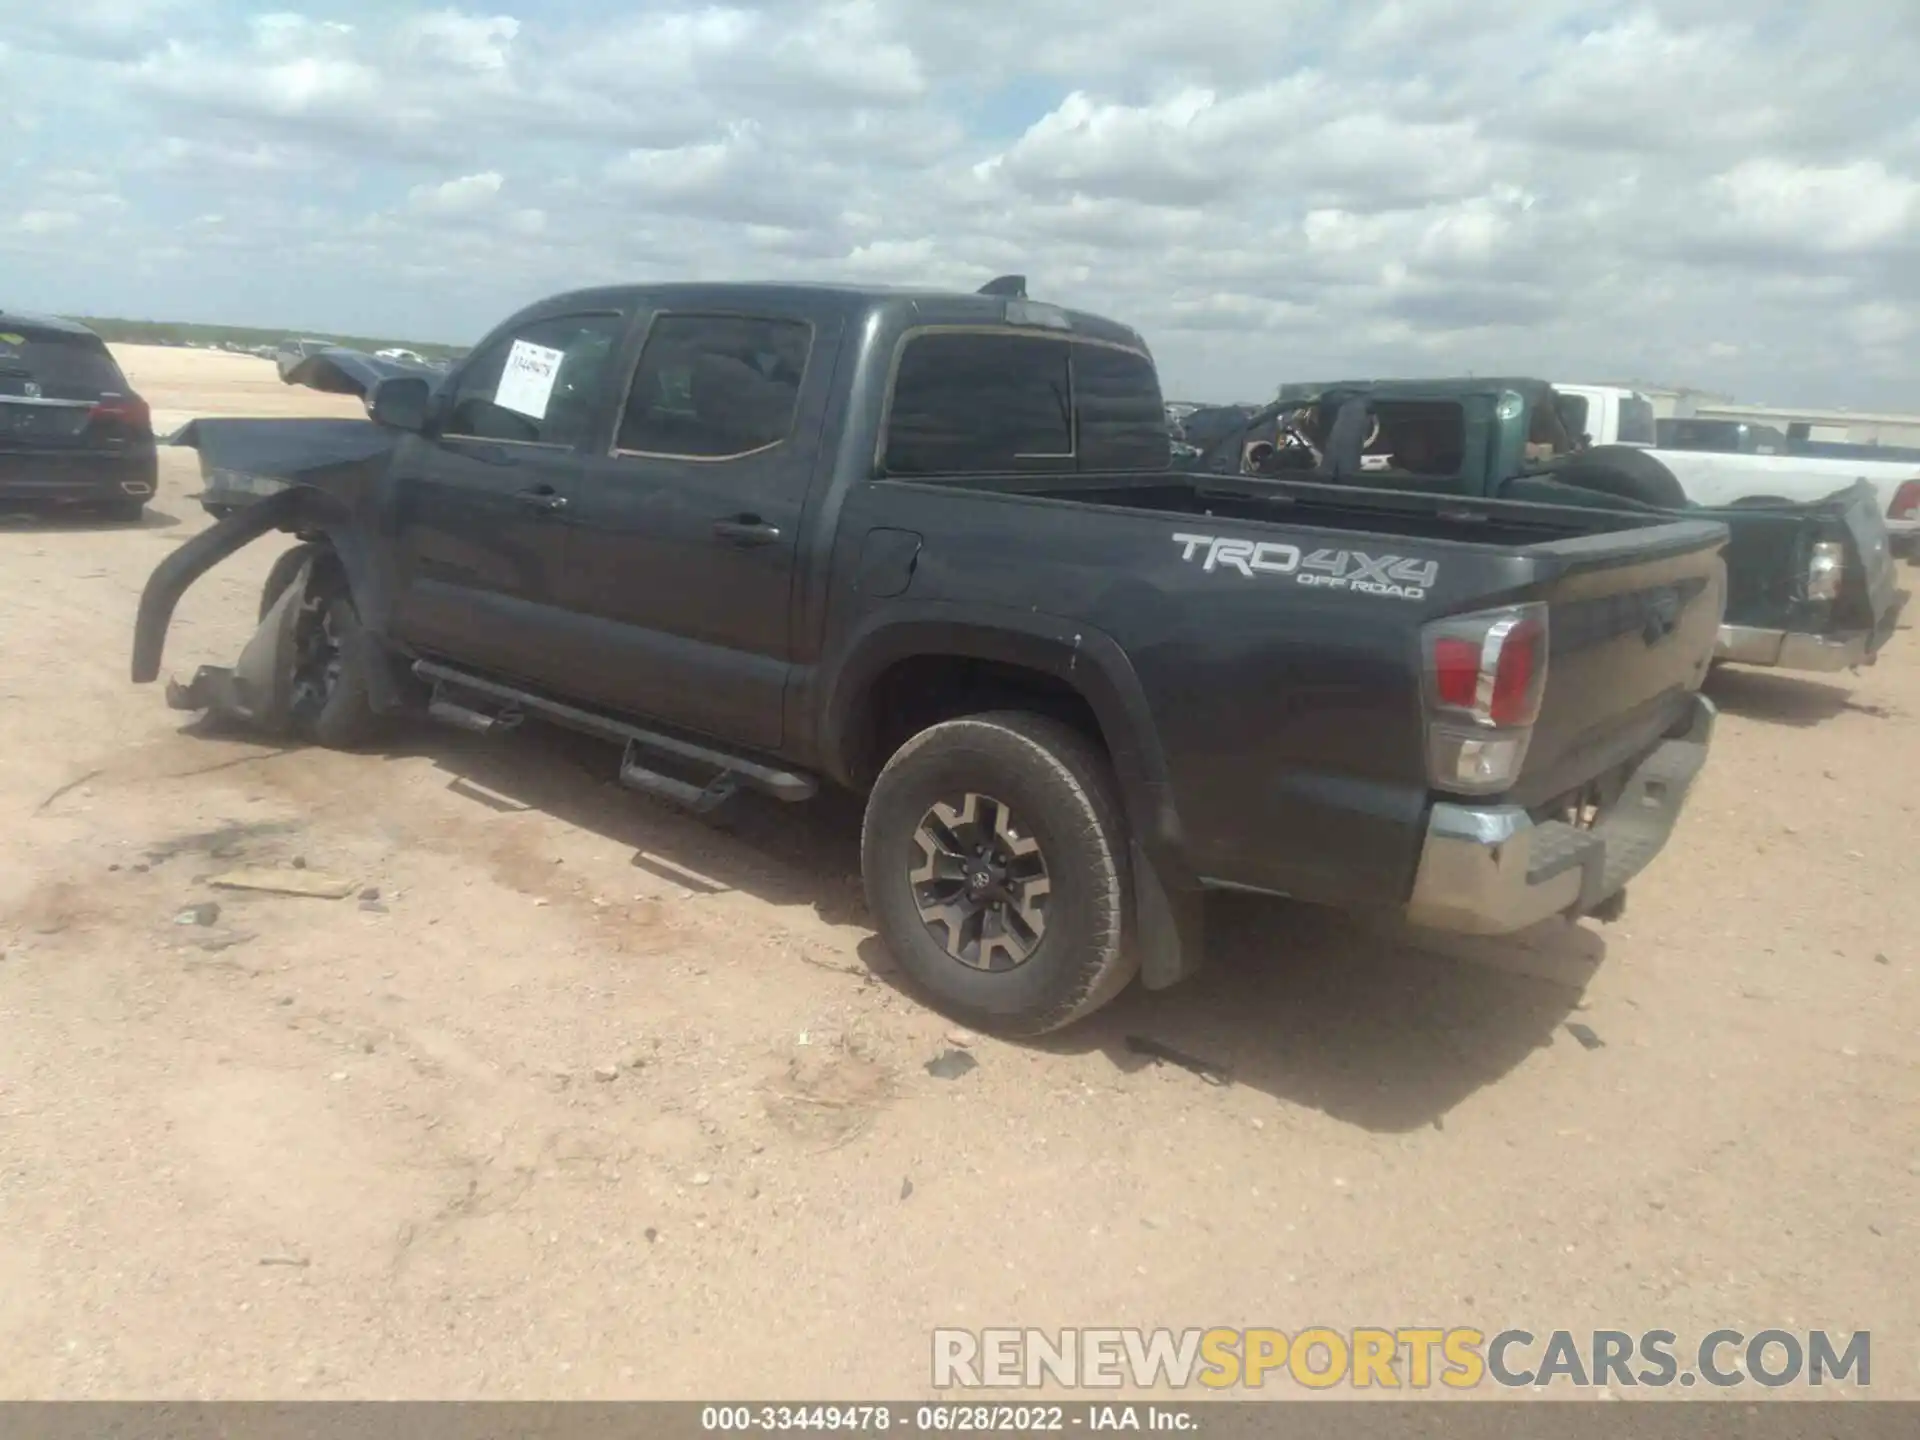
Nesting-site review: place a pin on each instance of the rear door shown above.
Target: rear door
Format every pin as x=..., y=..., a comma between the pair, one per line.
x=479, y=504
x=684, y=533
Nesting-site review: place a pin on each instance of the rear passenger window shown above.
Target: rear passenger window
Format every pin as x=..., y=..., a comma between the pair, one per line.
x=541, y=385
x=713, y=387
x=1637, y=422
x=968, y=404
x=1423, y=438
x=1123, y=424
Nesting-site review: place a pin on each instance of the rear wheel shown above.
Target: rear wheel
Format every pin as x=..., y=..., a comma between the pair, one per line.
x=995, y=859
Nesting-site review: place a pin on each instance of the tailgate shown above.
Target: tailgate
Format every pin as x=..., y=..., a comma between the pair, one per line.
x=1878, y=573
x=35, y=424
x=1633, y=619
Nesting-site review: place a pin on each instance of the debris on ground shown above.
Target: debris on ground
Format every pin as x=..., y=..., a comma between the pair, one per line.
x=298, y=1262
x=203, y=914
x=961, y=1039
x=606, y=1073
x=906, y=1188
x=220, y=940
x=951, y=1065
x=1160, y=1052
x=314, y=883
x=372, y=892
x=1584, y=1035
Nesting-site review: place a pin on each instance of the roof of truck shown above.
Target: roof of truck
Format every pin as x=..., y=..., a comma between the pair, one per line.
x=940, y=305
x=1437, y=384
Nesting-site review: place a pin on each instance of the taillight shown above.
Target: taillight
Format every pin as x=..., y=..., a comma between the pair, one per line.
x=127, y=410
x=1485, y=676
x=1826, y=569
x=1906, y=501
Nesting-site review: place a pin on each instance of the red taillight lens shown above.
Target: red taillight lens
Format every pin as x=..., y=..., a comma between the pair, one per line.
x=127, y=410
x=1906, y=501
x=1522, y=653
x=1456, y=671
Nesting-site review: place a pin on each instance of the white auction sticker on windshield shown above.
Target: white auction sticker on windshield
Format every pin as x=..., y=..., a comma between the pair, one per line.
x=526, y=384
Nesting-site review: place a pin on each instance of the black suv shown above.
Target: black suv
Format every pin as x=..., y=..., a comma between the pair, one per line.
x=72, y=430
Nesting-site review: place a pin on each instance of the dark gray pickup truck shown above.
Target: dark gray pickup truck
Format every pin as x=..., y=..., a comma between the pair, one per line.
x=929, y=547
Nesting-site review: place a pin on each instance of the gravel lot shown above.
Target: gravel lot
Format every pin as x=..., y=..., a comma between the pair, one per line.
x=599, y=1100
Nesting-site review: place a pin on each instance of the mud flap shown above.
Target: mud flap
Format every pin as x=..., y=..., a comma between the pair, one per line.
x=1170, y=925
x=257, y=691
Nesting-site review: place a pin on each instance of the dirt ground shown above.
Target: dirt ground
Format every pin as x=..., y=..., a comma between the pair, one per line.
x=599, y=1100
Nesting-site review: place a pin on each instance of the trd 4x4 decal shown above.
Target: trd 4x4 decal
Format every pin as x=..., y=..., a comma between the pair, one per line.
x=1354, y=570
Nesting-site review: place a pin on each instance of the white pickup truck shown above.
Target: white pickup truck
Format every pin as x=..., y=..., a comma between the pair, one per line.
x=1614, y=415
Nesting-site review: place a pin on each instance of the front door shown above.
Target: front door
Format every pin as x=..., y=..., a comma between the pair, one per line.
x=680, y=575
x=480, y=503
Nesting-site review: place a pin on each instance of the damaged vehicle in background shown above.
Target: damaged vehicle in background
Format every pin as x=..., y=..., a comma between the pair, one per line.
x=927, y=547
x=72, y=430
x=1730, y=462
x=1810, y=586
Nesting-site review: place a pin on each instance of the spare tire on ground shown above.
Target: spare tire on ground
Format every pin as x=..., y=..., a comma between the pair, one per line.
x=1624, y=471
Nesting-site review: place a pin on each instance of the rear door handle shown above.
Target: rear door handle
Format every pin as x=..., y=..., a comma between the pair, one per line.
x=545, y=500
x=746, y=530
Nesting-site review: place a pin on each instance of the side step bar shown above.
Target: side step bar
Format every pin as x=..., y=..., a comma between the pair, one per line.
x=730, y=771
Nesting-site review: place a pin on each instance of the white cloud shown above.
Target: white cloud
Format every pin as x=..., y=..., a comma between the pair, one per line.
x=1699, y=190
x=45, y=222
x=1854, y=208
x=463, y=196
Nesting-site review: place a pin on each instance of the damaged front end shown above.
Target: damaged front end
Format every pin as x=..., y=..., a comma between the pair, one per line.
x=308, y=628
x=260, y=691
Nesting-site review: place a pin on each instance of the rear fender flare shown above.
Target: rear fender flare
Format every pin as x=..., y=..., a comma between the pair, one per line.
x=1167, y=893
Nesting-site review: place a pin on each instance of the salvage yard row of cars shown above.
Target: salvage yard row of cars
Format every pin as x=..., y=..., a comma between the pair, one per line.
x=1412, y=648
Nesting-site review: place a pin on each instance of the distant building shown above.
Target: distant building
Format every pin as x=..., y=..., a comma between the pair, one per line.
x=1846, y=427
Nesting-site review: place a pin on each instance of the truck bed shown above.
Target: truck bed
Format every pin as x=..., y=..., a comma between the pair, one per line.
x=1289, y=696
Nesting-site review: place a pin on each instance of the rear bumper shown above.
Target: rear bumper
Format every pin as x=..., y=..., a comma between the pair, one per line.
x=1801, y=650
x=77, y=476
x=1493, y=869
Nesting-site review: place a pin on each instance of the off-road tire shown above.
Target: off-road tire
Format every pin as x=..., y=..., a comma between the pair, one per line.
x=1061, y=789
x=1625, y=471
x=345, y=718
x=283, y=573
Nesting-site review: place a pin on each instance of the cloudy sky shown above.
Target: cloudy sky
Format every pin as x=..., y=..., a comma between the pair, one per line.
x=1723, y=193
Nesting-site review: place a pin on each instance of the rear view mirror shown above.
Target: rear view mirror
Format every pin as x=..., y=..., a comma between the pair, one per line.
x=401, y=403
